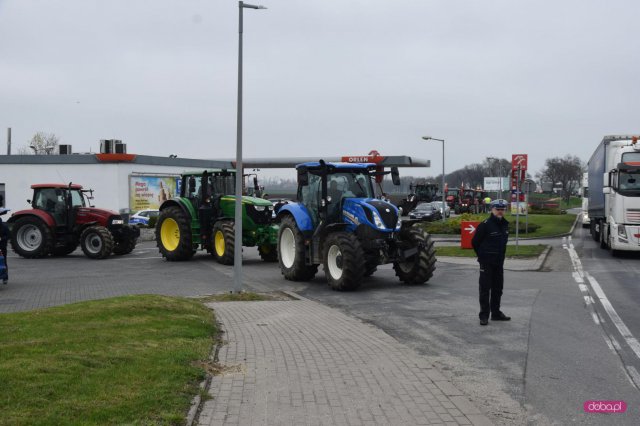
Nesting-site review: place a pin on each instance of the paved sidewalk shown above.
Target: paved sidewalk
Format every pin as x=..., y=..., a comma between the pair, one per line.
x=302, y=363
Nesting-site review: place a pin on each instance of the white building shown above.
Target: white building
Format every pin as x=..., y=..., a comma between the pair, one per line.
x=120, y=181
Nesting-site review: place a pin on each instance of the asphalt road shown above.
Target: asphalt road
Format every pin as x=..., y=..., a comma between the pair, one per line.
x=538, y=368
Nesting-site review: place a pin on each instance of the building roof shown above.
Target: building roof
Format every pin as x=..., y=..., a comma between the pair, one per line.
x=114, y=158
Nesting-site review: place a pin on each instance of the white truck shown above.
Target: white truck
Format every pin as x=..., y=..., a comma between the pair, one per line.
x=586, y=222
x=614, y=193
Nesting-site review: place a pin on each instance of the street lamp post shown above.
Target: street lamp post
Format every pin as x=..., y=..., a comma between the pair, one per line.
x=426, y=138
x=237, y=259
x=501, y=171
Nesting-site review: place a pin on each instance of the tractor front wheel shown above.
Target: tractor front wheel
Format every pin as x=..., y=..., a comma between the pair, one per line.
x=173, y=234
x=96, y=242
x=224, y=242
x=268, y=252
x=291, y=252
x=344, y=262
x=418, y=268
x=31, y=238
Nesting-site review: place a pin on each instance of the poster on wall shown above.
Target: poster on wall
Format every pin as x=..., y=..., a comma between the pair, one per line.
x=148, y=192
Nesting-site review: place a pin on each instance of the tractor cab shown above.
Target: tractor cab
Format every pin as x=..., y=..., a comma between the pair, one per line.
x=336, y=193
x=62, y=202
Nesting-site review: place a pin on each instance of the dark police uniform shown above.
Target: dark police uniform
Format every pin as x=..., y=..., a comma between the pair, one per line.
x=4, y=239
x=490, y=245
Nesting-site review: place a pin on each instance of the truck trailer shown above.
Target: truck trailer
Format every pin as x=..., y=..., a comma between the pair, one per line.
x=614, y=193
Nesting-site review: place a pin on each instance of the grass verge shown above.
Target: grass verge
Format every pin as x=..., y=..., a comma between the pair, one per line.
x=541, y=225
x=126, y=360
x=245, y=296
x=522, y=252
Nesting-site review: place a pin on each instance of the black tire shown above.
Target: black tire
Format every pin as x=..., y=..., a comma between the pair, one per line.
x=124, y=246
x=31, y=238
x=224, y=253
x=183, y=250
x=268, y=252
x=603, y=242
x=293, y=269
x=64, y=250
x=420, y=267
x=456, y=210
x=96, y=242
x=344, y=262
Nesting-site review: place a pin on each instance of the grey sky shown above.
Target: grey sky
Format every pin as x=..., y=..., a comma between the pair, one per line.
x=323, y=77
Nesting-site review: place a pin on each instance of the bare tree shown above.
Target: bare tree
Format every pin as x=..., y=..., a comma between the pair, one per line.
x=41, y=144
x=565, y=171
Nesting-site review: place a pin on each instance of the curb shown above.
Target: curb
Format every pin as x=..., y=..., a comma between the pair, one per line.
x=197, y=403
x=542, y=259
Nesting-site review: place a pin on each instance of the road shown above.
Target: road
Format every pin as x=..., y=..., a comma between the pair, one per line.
x=538, y=368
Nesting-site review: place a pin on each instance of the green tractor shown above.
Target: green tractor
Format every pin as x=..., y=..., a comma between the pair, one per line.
x=202, y=218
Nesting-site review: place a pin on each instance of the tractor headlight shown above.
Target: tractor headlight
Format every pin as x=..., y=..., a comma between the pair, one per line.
x=270, y=208
x=260, y=208
x=378, y=221
x=117, y=222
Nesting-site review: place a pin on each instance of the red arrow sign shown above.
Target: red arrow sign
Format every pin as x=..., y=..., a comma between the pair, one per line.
x=467, y=230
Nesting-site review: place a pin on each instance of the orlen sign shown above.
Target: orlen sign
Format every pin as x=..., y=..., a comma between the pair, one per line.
x=363, y=159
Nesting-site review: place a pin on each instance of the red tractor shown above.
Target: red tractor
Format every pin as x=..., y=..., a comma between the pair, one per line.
x=62, y=218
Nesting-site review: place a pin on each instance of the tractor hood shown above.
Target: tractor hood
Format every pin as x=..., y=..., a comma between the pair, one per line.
x=87, y=214
x=376, y=213
x=249, y=200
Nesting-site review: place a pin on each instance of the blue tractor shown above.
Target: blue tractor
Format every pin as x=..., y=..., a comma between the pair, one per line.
x=338, y=222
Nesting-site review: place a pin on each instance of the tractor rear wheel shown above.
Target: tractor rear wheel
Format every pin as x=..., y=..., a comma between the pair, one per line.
x=173, y=234
x=419, y=268
x=344, y=262
x=96, y=242
x=224, y=242
x=291, y=252
x=124, y=246
x=268, y=252
x=64, y=250
x=31, y=238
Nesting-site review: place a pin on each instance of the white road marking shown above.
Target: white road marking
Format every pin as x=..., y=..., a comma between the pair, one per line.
x=615, y=318
x=633, y=373
x=579, y=275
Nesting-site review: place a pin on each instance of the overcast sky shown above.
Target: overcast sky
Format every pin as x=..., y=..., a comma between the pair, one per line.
x=324, y=77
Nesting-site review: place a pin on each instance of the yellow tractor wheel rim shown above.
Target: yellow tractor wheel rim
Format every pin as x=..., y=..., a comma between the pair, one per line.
x=219, y=243
x=170, y=234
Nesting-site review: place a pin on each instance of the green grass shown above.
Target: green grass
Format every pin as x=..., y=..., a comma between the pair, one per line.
x=126, y=360
x=522, y=252
x=541, y=225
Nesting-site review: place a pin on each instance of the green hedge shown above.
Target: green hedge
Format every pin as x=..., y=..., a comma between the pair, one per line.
x=452, y=226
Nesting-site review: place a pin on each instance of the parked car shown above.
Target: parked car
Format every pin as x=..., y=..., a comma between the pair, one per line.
x=447, y=209
x=426, y=211
x=142, y=217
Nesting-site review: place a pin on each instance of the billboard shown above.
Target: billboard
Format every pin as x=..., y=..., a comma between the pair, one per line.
x=148, y=192
x=493, y=184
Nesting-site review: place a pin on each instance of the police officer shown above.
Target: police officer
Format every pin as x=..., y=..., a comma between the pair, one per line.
x=490, y=245
x=4, y=239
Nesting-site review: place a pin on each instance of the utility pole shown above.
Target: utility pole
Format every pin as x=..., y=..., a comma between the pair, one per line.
x=8, y=140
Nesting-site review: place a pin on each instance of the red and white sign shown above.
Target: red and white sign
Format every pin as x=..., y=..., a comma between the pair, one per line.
x=373, y=157
x=467, y=231
x=519, y=161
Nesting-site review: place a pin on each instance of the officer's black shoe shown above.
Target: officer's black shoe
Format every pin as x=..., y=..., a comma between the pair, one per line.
x=484, y=321
x=500, y=317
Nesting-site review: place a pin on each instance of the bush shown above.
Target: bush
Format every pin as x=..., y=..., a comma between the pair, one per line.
x=544, y=210
x=521, y=228
x=152, y=222
x=452, y=226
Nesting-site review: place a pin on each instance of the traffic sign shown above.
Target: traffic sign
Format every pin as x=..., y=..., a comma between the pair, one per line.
x=519, y=161
x=467, y=231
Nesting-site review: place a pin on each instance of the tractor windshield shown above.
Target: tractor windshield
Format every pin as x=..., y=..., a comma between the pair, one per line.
x=77, y=200
x=349, y=185
x=224, y=185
